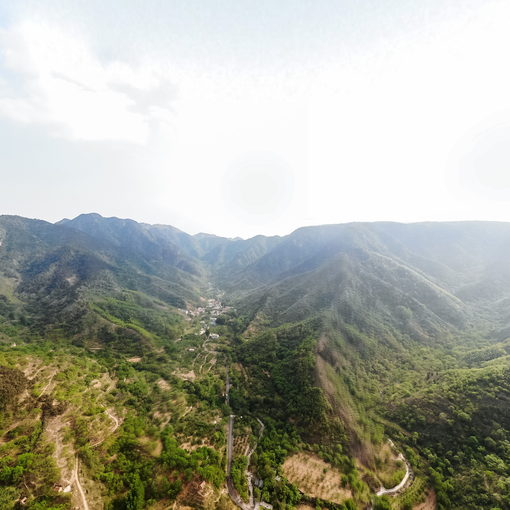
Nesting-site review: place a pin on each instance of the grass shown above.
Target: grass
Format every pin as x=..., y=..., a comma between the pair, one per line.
x=315, y=477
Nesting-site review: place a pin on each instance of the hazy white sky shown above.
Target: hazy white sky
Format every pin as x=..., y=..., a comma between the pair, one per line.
x=243, y=117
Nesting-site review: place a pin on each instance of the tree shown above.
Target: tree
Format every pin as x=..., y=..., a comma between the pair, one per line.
x=136, y=496
x=382, y=503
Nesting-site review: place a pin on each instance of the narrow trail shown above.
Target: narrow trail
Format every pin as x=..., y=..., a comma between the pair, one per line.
x=208, y=357
x=76, y=478
x=201, y=369
x=199, y=355
x=34, y=375
x=115, y=427
x=114, y=419
x=212, y=362
x=47, y=385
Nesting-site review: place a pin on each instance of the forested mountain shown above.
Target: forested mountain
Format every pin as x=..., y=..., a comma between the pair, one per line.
x=334, y=338
x=58, y=265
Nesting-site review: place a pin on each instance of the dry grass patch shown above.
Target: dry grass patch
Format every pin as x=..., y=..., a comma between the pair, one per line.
x=429, y=503
x=163, y=385
x=390, y=469
x=162, y=418
x=315, y=477
x=153, y=446
x=187, y=376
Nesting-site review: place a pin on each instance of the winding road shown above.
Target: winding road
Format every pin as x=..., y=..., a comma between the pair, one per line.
x=252, y=505
x=402, y=484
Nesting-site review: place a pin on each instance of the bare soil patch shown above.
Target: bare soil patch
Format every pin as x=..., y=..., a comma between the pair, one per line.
x=163, y=385
x=163, y=418
x=155, y=447
x=429, y=503
x=315, y=477
x=187, y=376
x=64, y=453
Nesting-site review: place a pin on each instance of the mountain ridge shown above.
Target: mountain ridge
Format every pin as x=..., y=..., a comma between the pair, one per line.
x=333, y=336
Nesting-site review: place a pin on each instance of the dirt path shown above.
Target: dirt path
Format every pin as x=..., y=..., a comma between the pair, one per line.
x=201, y=369
x=47, y=385
x=76, y=476
x=208, y=356
x=114, y=419
x=76, y=479
x=115, y=427
x=34, y=375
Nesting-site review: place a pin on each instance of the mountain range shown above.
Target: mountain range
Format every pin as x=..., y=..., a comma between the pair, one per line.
x=437, y=275
x=346, y=332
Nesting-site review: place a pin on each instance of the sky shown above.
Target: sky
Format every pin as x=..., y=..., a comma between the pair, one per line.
x=255, y=117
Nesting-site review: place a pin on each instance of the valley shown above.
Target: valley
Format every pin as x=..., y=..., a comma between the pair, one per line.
x=344, y=367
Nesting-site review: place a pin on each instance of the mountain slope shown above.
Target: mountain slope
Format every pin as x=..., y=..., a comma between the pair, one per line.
x=341, y=335
x=56, y=271
x=156, y=248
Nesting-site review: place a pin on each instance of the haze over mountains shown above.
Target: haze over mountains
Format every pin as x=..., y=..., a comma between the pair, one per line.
x=440, y=272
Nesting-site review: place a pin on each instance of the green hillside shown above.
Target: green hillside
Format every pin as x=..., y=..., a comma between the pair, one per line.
x=130, y=352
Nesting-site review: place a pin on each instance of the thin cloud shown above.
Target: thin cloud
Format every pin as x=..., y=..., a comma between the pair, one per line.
x=55, y=79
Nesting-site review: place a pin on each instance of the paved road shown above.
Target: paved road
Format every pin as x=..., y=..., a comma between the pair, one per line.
x=234, y=495
x=227, y=389
x=230, y=443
